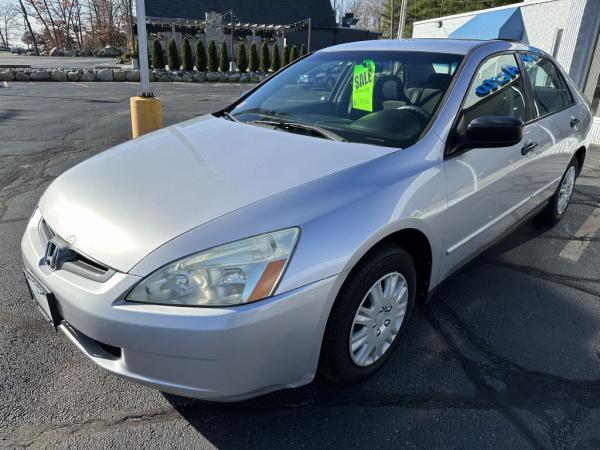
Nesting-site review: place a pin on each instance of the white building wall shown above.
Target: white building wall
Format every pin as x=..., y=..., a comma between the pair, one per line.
x=541, y=19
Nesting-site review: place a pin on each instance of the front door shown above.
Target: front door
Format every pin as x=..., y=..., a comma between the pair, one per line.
x=487, y=187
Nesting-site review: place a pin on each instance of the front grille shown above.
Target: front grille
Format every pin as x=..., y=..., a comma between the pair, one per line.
x=74, y=261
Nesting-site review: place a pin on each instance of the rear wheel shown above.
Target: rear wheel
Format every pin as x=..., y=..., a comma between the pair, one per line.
x=559, y=202
x=369, y=315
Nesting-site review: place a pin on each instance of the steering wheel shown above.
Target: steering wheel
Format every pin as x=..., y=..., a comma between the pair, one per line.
x=421, y=113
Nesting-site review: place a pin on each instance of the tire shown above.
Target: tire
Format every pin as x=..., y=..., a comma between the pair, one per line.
x=338, y=363
x=556, y=208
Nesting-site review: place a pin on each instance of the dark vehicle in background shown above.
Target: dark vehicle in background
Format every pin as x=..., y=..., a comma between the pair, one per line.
x=324, y=78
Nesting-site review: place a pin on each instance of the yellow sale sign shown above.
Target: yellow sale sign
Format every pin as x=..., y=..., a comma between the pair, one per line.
x=362, y=85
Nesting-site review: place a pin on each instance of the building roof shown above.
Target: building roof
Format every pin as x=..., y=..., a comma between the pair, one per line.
x=499, y=24
x=281, y=12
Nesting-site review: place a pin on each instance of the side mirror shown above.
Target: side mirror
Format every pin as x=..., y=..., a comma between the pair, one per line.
x=493, y=131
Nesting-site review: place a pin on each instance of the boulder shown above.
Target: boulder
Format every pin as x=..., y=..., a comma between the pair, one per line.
x=105, y=75
x=133, y=76
x=54, y=51
x=187, y=77
x=7, y=75
x=88, y=76
x=118, y=75
x=222, y=76
x=212, y=76
x=233, y=77
x=22, y=76
x=199, y=77
x=39, y=75
x=73, y=76
x=58, y=75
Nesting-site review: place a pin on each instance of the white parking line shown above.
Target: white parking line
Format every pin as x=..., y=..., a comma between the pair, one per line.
x=574, y=249
x=78, y=84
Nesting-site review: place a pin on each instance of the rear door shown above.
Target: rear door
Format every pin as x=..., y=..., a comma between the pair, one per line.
x=555, y=121
x=487, y=187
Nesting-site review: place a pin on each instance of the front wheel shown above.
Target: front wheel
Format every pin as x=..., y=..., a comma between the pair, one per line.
x=369, y=315
x=556, y=208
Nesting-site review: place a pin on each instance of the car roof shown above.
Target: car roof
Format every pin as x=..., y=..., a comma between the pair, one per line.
x=438, y=45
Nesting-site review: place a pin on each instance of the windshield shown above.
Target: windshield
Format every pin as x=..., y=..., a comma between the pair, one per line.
x=382, y=98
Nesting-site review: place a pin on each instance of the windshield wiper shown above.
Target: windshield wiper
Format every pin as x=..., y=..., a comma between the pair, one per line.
x=228, y=116
x=302, y=128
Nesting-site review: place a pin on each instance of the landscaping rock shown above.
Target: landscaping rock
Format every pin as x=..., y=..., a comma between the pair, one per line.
x=88, y=76
x=199, y=77
x=54, y=51
x=134, y=76
x=7, y=76
x=233, y=77
x=22, y=76
x=212, y=76
x=39, y=75
x=73, y=76
x=58, y=75
x=187, y=77
x=105, y=75
x=118, y=75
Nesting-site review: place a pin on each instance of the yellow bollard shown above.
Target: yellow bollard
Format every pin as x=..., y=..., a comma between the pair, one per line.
x=145, y=115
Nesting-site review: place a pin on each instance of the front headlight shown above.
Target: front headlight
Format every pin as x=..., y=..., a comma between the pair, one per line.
x=232, y=274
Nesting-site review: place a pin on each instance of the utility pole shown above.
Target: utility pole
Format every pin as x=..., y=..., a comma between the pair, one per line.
x=392, y=19
x=232, y=31
x=309, y=27
x=402, y=22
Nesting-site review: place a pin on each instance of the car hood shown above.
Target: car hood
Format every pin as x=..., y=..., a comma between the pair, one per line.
x=122, y=204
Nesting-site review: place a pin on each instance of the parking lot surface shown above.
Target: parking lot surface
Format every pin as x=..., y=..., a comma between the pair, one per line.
x=507, y=354
x=52, y=62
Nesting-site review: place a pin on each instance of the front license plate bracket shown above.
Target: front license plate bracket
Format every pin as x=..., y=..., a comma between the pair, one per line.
x=42, y=295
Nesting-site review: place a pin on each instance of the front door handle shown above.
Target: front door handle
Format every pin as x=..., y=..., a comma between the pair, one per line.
x=528, y=147
x=574, y=121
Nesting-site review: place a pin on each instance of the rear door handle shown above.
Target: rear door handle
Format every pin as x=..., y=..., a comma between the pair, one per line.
x=528, y=147
x=574, y=121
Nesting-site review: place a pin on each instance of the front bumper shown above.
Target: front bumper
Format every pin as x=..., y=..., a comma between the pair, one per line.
x=221, y=354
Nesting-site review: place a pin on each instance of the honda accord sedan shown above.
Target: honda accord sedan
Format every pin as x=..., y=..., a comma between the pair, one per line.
x=293, y=232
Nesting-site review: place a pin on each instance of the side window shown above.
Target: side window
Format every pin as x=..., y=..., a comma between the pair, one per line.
x=550, y=92
x=496, y=90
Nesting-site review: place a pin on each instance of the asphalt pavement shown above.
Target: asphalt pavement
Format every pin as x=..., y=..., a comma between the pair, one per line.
x=59, y=62
x=507, y=354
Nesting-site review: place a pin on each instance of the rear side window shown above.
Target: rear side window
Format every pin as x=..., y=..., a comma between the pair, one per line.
x=496, y=90
x=550, y=92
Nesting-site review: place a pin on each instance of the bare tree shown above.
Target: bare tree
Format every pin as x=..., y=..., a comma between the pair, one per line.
x=368, y=12
x=8, y=16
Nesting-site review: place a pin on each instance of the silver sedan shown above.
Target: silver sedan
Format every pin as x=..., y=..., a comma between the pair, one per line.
x=293, y=232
